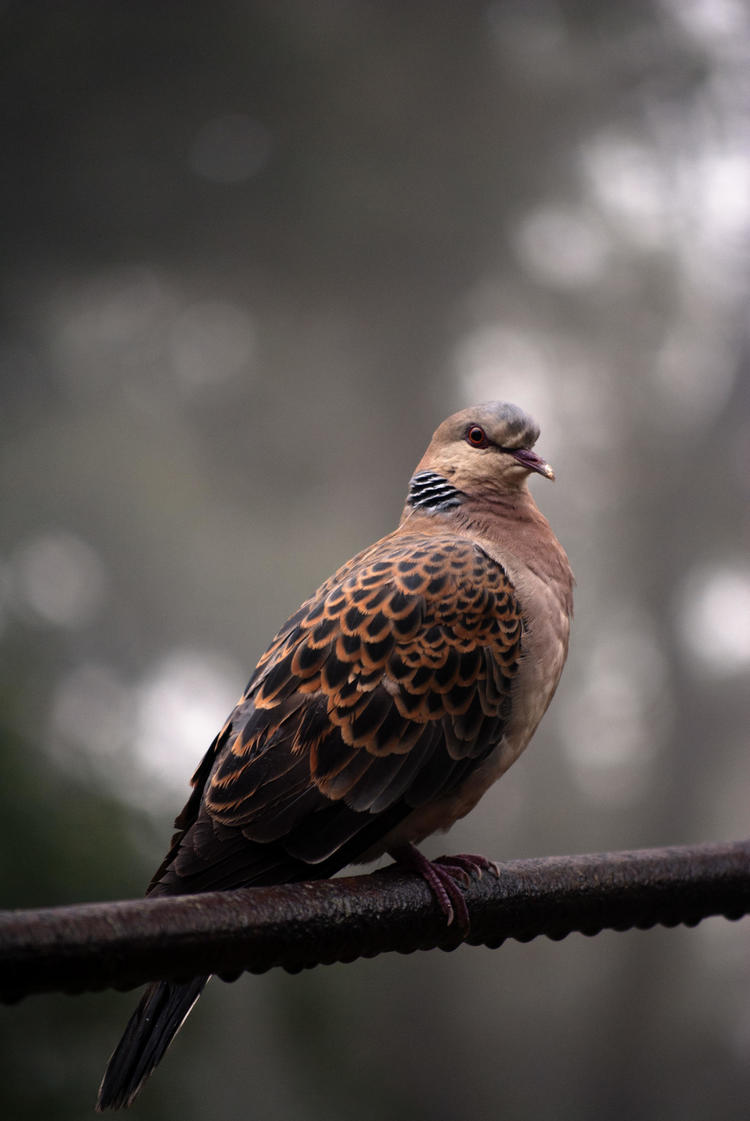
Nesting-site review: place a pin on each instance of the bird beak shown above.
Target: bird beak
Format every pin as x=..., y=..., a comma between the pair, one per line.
x=532, y=462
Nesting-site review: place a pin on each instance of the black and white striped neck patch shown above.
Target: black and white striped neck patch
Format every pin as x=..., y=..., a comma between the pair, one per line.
x=430, y=491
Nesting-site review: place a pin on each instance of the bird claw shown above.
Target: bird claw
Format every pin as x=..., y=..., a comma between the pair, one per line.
x=447, y=878
x=455, y=870
x=471, y=864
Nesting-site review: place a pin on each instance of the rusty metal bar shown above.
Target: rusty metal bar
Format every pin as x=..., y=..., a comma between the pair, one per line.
x=124, y=944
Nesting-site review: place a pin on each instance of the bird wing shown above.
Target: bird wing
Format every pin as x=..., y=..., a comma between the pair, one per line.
x=379, y=695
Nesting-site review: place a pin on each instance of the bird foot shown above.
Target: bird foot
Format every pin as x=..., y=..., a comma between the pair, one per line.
x=471, y=864
x=446, y=877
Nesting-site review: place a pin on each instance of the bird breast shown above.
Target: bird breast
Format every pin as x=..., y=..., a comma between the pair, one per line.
x=543, y=583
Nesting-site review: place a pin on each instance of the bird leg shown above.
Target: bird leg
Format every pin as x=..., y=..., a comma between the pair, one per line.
x=446, y=878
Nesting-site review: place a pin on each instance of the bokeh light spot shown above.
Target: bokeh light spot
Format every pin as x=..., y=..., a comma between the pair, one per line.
x=714, y=618
x=108, y=329
x=230, y=149
x=626, y=180
x=92, y=711
x=59, y=578
x=179, y=708
x=562, y=248
x=614, y=727
x=211, y=342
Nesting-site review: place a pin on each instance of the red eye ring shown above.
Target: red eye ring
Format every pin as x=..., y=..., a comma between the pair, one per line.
x=476, y=436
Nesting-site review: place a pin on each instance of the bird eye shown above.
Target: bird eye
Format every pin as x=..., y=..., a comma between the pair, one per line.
x=476, y=436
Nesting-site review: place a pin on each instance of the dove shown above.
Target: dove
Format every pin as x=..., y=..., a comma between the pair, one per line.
x=385, y=707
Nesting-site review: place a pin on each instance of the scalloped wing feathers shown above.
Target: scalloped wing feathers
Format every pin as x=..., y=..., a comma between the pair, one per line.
x=387, y=704
x=377, y=696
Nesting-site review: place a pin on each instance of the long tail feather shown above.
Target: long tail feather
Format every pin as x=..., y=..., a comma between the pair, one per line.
x=161, y=1013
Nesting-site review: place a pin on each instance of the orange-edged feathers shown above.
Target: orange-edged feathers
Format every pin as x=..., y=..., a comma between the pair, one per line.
x=386, y=705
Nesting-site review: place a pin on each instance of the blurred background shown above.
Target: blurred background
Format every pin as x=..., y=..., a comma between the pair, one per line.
x=252, y=255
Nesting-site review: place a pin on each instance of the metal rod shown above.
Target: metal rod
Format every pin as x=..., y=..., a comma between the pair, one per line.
x=124, y=944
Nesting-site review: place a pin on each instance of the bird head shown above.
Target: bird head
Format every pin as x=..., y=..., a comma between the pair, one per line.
x=484, y=449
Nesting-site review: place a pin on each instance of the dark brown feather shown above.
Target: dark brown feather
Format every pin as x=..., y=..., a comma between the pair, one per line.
x=373, y=697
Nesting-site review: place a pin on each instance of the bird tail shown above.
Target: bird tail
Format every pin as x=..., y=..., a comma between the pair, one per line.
x=161, y=1013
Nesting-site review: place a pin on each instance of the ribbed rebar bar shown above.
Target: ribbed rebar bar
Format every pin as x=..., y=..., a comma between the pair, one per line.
x=124, y=944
